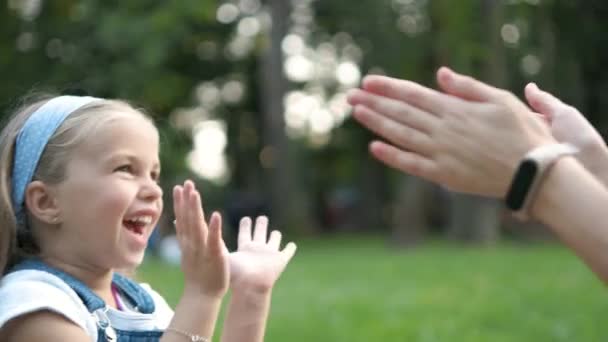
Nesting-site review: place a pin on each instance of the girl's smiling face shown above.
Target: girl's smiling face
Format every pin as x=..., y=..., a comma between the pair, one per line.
x=110, y=200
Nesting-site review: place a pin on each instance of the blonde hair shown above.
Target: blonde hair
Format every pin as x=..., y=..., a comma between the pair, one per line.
x=16, y=239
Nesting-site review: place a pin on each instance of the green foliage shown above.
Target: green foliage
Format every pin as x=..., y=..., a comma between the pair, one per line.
x=156, y=53
x=144, y=51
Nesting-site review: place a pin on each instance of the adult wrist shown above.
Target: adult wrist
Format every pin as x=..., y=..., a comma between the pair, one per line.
x=550, y=195
x=530, y=176
x=595, y=158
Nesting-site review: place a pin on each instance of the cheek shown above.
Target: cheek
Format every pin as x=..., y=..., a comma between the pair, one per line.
x=101, y=203
x=112, y=202
x=160, y=207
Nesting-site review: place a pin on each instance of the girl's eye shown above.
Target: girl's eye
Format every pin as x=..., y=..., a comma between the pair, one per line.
x=124, y=168
x=155, y=176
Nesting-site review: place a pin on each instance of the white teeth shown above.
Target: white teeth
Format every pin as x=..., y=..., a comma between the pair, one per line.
x=142, y=219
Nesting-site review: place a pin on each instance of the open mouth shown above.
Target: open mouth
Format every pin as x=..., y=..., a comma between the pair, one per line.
x=137, y=224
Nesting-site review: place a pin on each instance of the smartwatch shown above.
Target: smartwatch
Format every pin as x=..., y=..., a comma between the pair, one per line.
x=529, y=175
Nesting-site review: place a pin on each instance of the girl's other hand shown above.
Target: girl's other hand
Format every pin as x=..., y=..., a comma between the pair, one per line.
x=258, y=261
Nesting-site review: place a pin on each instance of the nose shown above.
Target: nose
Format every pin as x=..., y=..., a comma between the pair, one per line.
x=151, y=190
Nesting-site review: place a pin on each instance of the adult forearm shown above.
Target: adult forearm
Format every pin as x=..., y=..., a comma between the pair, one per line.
x=597, y=162
x=195, y=314
x=246, y=317
x=574, y=204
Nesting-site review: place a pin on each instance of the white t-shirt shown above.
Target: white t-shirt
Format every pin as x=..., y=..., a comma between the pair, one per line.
x=28, y=291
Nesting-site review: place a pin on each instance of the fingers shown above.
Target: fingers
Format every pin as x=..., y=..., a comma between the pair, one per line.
x=261, y=229
x=215, y=243
x=541, y=101
x=178, y=210
x=399, y=134
x=195, y=215
x=466, y=87
x=189, y=216
x=244, y=232
x=289, y=251
x=274, y=241
x=545, y=118
x=196, y=204
x=187, y=211
x=259, y=234
x=398, y=111
x=408, y=162
x=414, y=94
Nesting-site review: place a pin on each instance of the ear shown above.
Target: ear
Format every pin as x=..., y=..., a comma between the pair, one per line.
x=41, y=202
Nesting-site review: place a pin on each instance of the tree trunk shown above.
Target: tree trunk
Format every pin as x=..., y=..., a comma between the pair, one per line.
x=289, y=208
x=474, y=219
x=372, y=185
x=411, y=218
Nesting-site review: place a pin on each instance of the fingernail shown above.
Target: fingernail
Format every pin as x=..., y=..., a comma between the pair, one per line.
x=445, y=74
x=351, y=95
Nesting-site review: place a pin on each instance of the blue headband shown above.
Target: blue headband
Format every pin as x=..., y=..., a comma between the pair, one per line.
x=32, y=140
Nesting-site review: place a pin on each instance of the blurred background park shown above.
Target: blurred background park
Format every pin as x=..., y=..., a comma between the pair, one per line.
x=249, y=96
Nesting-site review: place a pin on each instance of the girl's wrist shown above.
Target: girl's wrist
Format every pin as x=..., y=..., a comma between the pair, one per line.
x=196, y=293
x=196, y=314
x=251, y=298
x=252, y=290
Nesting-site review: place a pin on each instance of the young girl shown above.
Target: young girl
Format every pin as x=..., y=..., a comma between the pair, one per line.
x=78, y=200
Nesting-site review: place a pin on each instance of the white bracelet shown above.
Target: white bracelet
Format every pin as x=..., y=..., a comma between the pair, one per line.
x=192, y=337
x=530, y=174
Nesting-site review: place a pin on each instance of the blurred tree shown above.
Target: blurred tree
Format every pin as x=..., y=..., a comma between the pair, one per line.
x=290, y=204
x=144, y=51
x=188, y=57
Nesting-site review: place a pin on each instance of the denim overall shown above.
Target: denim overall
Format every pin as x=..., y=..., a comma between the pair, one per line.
x=133, y=292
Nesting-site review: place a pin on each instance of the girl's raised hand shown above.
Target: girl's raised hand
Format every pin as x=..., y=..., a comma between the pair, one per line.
x=258, y=261
x=204, y=257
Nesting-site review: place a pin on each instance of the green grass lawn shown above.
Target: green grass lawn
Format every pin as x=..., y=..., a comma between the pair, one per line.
x=359, y=290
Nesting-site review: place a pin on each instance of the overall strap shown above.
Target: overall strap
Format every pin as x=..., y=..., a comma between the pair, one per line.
x=136, y=294
x=88, y=297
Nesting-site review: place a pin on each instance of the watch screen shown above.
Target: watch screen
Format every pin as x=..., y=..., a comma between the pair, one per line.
x=522, y=181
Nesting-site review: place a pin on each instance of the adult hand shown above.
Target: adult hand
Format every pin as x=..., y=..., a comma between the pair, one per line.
x=258, y=262
x=204, y=257
x=471, y=142
x=570, y=126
